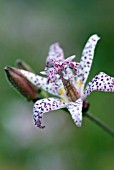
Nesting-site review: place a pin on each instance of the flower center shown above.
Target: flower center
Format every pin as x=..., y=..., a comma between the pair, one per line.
x=62, y=70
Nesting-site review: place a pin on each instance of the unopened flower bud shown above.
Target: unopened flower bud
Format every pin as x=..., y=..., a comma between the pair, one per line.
x=22, y=65
x=20, y=82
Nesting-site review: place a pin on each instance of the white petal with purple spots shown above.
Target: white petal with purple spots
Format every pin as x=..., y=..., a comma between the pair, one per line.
x=75, y=109
x=101, y=82
x=43, y=106
x=55, y=52
x=40, y=82
x=87, y=58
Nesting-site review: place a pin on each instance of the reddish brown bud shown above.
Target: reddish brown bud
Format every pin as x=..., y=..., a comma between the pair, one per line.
x=22, y=65
x=19, y=81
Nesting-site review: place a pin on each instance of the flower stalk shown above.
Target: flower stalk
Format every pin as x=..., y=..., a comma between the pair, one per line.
x=100, y=123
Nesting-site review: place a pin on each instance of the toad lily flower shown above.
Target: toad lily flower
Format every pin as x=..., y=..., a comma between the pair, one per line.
x=68, y=85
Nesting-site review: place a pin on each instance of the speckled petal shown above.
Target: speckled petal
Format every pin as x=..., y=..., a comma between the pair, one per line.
x=101, y=82
x=40, y=82
x=75, y=109
x=43, y=106
x=87, y=58
x=55, y=52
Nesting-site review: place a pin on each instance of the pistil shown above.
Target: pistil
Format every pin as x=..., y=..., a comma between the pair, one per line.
x=69, y=87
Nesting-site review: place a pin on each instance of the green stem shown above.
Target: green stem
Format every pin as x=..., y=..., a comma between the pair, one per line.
x=100, y=123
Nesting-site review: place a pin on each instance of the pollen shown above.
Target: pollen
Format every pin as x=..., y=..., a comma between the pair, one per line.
x=62, y=100
x=61, y=91
x=79, y=83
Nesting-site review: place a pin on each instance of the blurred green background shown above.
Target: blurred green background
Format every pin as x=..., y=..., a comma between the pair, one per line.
x=27, y=29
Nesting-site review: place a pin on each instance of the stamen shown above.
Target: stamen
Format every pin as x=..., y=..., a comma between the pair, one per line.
x=61, y=91
x=62, y=100
x=79, y=83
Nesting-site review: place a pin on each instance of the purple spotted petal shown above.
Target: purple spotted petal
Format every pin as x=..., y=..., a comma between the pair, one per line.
x=87, y=58
x=55, y=52
x=101, y=82
x=40, y=82
x=43, y=106
x=75, y=109
x=52, y=72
